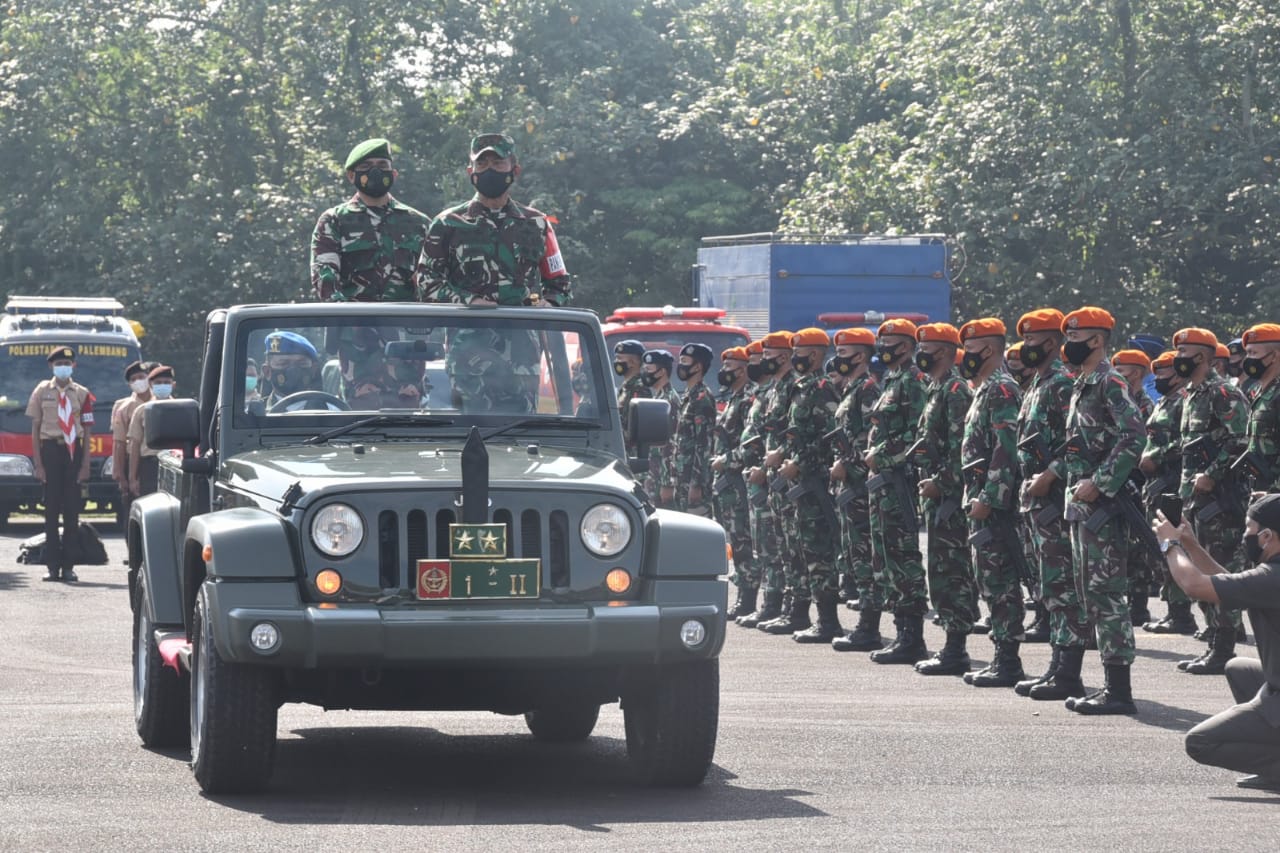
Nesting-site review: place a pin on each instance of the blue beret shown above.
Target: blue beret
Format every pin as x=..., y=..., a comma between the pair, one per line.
x=698, y=352
x=1236, y=346
x=290, y=343
x=629, y=348
x=1152, y=345
x=660, y=357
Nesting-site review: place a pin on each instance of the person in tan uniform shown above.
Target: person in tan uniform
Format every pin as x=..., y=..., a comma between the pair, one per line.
x=144, y=463
x=135, y=375
x=61, y=413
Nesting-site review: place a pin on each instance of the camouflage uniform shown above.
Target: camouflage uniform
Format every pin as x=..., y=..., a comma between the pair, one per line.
x=729, y=489
x=951, y=583
x=662, y=456
x=810, y=417
x=854, y=417
x=1044, y=412
x=632, y=389
x=1164, y=449
x=1263, y=433
x=750, y=452
x=791, y=555
x=1141, y=564
x=367, y=254
x=990, y=441
x=1106, y=420
x=896, y=543
x=691, y=453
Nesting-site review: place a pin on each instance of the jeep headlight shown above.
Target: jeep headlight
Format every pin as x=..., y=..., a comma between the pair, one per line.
x=337, y=530
x=16, y=465
x=605, y=529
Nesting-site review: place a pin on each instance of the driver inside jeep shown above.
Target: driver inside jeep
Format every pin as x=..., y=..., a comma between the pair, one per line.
x=291, y=365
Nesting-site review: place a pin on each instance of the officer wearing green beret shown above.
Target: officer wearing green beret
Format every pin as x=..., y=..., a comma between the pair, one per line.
x=365, y=249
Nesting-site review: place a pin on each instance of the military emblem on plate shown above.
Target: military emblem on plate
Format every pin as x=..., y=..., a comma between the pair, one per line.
x=433, y=579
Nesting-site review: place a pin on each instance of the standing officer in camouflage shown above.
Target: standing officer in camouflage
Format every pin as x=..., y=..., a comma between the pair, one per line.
x=626, y=364
x=366, y=248
x=729, y=488
x=1260, y=367
x=695, y=426
x=1134, y=366
x=766, y=535
x=854, y=349
x=937, y=460
x=1161, y=464
x=1042, y=433
x=807, y=469
x=659, y=482
x=989, y=464
x=1105, y=436
x=1215, y=417
x=891, y=483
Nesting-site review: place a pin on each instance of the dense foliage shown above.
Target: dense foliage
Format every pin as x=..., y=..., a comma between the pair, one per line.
x=175, y=153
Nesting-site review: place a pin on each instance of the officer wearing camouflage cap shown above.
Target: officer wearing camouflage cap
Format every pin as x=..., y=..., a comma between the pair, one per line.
x=366, y=248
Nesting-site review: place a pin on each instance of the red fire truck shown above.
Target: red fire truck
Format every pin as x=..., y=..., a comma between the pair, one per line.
x=671, y=327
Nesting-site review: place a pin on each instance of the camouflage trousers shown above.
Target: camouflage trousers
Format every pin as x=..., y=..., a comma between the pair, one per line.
x=952, y=589
x=1068, y=622
x=766, y=540
x=702, y=508
x=731, y=511
x=995, y=566
x=855, y=548
x=896, y=546
x=794, y=570
x=1142, y=567
x=1220, y=535
x=817, y=545
x=1098, y=564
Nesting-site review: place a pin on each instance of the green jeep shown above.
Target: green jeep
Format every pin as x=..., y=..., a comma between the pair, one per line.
x=350, y=535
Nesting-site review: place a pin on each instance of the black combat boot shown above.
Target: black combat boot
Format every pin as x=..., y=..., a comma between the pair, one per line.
x=1210, y=634
x=865, y=637
x=1005, y=670
x=982, y=626
x=827, y=628
x=1138, y=612
x=746, y=603
x=1023, y=688
x=848, y=587
x=854, y=603
x=784, y=609
x=1065, y=681
x=910, y=647
x=952, y=660
x=1178, y=621
x=1038, y=630
x=1222, y=650
x=1115, y=698
x=771, y=609
x=795, y=619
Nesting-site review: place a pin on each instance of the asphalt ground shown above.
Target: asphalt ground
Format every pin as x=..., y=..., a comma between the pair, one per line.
x=817, y=751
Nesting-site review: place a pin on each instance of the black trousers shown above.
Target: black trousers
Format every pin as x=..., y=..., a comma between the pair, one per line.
x=1240, y=738
x=148, y=474
x=61, y=499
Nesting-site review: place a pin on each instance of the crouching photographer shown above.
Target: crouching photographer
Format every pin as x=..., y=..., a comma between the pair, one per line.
x=1245, y=737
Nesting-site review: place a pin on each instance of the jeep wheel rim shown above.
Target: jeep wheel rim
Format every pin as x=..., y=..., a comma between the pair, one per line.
x=197, y=693
x=141, y=654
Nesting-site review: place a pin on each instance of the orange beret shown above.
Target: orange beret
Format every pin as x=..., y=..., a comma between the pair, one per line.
x=1135, y=357
x=1014, y=352
x=1040, y=320
x=944, y=332
x=897, y=326
x=1196, y=337
x=1089, y=317
x=857, y=337
x=1165, y=359
x=985, y=327
x=735, y=354
x=1263, y=333
x=1222, y=351
x=810, y=337
x=755, y=348
x=776, y=340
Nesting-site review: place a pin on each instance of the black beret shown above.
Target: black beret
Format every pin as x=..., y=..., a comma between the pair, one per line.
x=660, y=357
x=700, y=353
x=135, y=367
x=629, y=348
x=1266, y=511
x=60, y=353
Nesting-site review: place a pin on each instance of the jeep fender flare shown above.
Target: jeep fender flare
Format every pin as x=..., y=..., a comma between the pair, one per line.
x=679, y=545
x=153, y=539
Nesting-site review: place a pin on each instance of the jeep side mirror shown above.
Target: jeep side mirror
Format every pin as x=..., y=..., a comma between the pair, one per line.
x=648, y=422
x=173, y=425
x=417, y=350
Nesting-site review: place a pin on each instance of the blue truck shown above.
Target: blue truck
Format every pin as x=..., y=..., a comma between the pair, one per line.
x=765, y=282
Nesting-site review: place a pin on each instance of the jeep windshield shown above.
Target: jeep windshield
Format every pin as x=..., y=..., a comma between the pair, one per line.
x=406, y=369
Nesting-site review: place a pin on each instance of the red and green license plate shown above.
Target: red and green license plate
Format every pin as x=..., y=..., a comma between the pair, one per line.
x=455, y=580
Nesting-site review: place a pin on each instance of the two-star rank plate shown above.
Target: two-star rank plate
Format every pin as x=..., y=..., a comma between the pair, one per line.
x=472, y=579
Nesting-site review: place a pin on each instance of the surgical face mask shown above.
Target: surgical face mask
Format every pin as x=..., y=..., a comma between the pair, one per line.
x=755, y=372
x=491, y=183
x=139, y=386
x=62, y=371
x=1075, y=352
x=250, y=384
x=162, y=391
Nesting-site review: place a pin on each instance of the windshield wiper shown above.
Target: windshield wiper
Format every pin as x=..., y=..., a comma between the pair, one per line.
x=559, y=423
x=378, y=420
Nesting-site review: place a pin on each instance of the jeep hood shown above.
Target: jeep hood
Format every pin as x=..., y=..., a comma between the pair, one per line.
x=270, y=472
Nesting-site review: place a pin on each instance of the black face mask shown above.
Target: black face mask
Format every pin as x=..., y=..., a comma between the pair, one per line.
x=685, y=371
x=727, y=377
x=1035, y=356
x=845, y=364
x=1023, y=376
x=801, y=363
x=1185, y=365
x=770, y=365
x=1253, y=367
x=971, y=364
x=1164, y=385
x=888, y=354
x=755, y=371
x=926, y=361
x=620, y=368
x=649, y=379
x=375, y=182
x=491, y=183
x=290, y=380
x=1252, y=550
x=1235, y=368
x=1075, y=352
x=581, y=384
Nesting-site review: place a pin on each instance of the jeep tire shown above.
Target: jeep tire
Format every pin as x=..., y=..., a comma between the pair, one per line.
x=160, y=695
x=233, y=715
x=564, y=723
x=671, y=721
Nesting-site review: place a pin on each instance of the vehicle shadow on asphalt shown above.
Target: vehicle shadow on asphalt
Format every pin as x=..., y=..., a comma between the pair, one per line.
x=409, y=776
x=1169, y=717
x=1161, y=654
x=14, y=580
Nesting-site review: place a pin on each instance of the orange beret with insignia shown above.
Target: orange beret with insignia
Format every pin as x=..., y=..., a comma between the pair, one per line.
x=1135, y=357
x=1040, y=320
x=1263, y=333
x=1089, y=317
x=941, y=332
x=897, y=326
x=810, y=337
x=1195, y=337
x=734, y=354
x=986, y=327
x=1014, y=353
x=1165, y=359
x=1222, y=351
x=776, y=340
x=755, y=348
x=856, y=337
